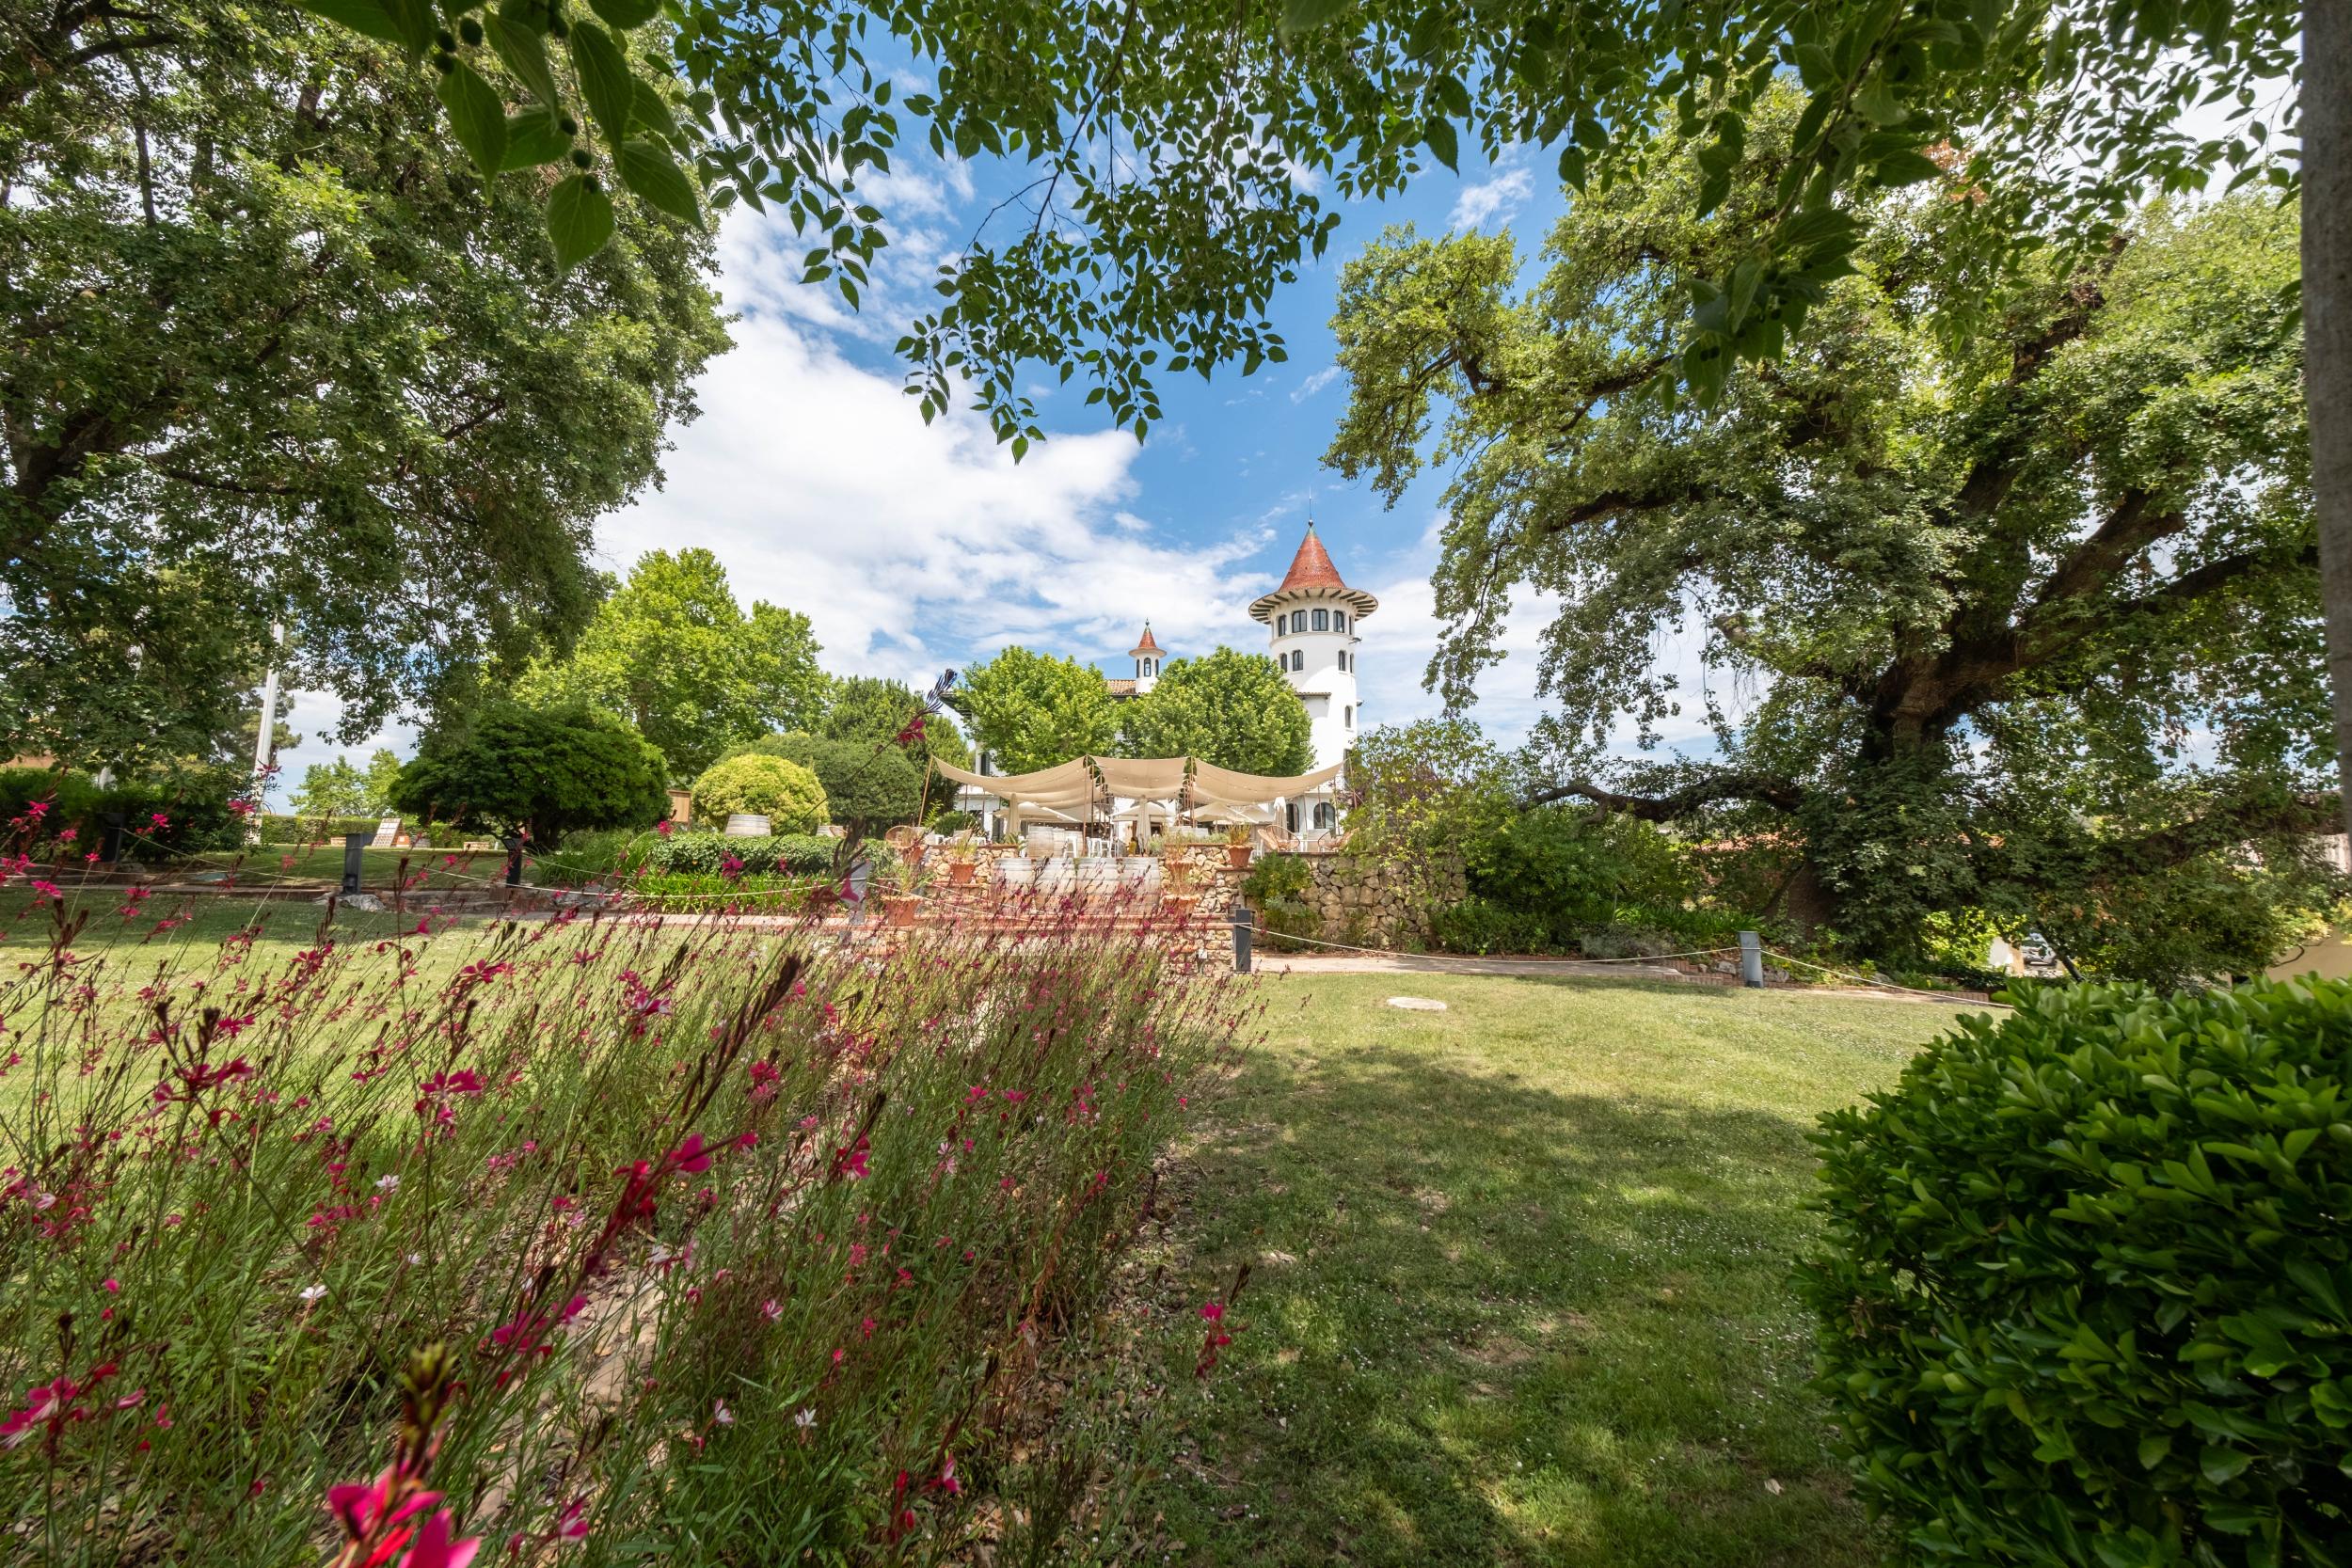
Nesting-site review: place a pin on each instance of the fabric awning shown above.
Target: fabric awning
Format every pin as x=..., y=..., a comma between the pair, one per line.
x=1211, y=784
x=1079, y=783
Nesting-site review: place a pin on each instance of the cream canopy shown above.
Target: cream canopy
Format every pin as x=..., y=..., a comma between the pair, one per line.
x=1186, y=783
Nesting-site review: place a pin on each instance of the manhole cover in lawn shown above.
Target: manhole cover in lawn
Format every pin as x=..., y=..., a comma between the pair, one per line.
x=1417, y=1003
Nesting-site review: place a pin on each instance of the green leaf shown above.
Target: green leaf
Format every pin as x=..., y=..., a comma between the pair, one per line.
x=476, y=114
x=2153, y=1449
x=2220, y=1465
x=533, y=138
x=525, y=55
x=579, y=217
x=625, y=13
x=1905, y=168
x=416, y=21
x=1305, y=16
x=653, y=175
x=605, y=79
x=651, y=110
x=360, y=16
x=1814, y=67
x=1440, y=134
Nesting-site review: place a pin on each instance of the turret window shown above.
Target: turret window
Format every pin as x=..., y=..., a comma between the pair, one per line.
x=1338, y=620
x=1281, y=625
x=1348, y=717
x=1323, y=620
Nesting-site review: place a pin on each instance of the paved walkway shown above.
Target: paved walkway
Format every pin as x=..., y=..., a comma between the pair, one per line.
x=1563, y=969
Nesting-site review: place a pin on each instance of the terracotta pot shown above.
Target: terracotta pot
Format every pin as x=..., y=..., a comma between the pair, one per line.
x=1175, y=875
x=1179, y=906
x=898, y=908
x=1237, y=856
x=960, y=873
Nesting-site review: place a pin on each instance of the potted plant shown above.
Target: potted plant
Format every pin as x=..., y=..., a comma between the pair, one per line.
x=963, y=859
x=1237, y=847
x=901, y=882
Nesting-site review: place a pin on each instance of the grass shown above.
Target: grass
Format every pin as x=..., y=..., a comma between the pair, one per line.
x=1519, y=1277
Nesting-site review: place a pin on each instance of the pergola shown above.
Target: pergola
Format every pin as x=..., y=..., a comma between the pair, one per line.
x=1170, y=789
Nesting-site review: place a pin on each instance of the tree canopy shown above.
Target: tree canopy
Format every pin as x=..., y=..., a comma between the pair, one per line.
x=1167, y=162
x=2030, y=618
x=1234, y=710
x=275, y=351
x=871, y=709
x=671, y=652
x=543, y=771
x=1037, y=710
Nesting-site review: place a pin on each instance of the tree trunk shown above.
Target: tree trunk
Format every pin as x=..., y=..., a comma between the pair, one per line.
x=2328, y=335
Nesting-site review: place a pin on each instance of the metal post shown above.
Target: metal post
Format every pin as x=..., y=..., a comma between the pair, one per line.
x=514, y=859
x=1244, y=927
x=1751, y=959
x=353, y=845
x=111, y=826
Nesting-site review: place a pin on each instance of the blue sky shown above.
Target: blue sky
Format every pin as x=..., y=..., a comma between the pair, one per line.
x=914, y=548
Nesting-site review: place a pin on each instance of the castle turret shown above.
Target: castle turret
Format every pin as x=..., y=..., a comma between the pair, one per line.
x=1313, y=619
x=1147, y=654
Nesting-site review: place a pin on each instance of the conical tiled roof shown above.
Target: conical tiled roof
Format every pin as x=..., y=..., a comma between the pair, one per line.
x=1313, y=573
x=1146, y=645
x=1312, y=566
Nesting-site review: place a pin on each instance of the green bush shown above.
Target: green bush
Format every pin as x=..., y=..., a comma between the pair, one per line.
x=2086, y=1292
x=867, y=787
x=549, y=771
x=784, y=792
x=798, y=854
x=192, y=803
x=1477, y=925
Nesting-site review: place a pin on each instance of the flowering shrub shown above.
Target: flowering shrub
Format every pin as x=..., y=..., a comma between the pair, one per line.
x=738, y=1247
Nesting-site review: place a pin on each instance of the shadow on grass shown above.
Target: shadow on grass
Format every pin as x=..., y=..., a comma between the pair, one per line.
x=1490, y=1321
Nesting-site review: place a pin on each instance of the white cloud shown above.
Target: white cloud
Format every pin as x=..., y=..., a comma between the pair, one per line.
x=1498, y=197
x=1314, y=382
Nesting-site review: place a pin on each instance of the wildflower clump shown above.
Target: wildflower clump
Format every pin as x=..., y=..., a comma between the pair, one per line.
x=720, y=1242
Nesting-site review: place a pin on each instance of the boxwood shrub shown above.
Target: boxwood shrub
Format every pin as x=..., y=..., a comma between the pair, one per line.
x=800, y=854
x=2085, y=1295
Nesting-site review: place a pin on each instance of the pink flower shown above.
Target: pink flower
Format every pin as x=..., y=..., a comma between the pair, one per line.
x=67, y=835
x=159, y=820
x=1214, y=1311
x=689, y=1156
x=46, y=1405
x=112, y=1287
x=662, y=828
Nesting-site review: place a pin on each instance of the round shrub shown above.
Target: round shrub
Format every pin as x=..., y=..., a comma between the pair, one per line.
x=784, y=792
x=2085, y=1292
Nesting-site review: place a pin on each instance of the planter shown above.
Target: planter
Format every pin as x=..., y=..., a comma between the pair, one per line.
x=1015, y=874
x=898, y=908
x=1178, y=907
x=961, y=873
x=1237, y=856
x=1175, y=875
x=1097, y=880
x=1052, y=878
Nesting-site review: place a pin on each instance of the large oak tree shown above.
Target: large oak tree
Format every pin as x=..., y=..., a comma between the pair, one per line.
x=275, y=350
x=2025, y=620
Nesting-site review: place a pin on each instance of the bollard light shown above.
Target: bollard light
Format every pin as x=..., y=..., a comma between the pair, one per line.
x=353, y=844
x=1244, y=927
x=1751, y=959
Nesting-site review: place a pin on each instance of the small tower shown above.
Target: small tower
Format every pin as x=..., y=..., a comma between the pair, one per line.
x=1147, y=656
x=1314, y=618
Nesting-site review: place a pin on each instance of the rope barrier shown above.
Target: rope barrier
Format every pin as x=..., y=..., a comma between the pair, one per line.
x=1879, y=984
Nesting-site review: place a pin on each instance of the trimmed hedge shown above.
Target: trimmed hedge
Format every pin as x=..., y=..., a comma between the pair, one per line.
x=797, y=854
x=781, y=790
x=2086, y=1294
x=194, y=806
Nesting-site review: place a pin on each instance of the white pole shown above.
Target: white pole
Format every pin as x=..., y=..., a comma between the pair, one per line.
x=269, y=705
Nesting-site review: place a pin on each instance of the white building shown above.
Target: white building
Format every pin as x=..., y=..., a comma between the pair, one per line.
x=1314, y=619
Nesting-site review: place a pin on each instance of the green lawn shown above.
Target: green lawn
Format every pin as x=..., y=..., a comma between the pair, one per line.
x=1519, y=1286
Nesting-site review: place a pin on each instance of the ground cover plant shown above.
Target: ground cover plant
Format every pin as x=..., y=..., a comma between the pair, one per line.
x=591, y=1239
x=1520, y=1277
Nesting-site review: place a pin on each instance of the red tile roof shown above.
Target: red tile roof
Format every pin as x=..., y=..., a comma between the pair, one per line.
x=1145, y=647
x=1312, y=566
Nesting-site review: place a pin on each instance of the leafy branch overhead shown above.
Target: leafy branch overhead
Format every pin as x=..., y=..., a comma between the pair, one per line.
x=1164, y=163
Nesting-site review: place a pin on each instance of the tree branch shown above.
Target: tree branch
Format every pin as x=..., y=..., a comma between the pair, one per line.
x=1763, y=788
